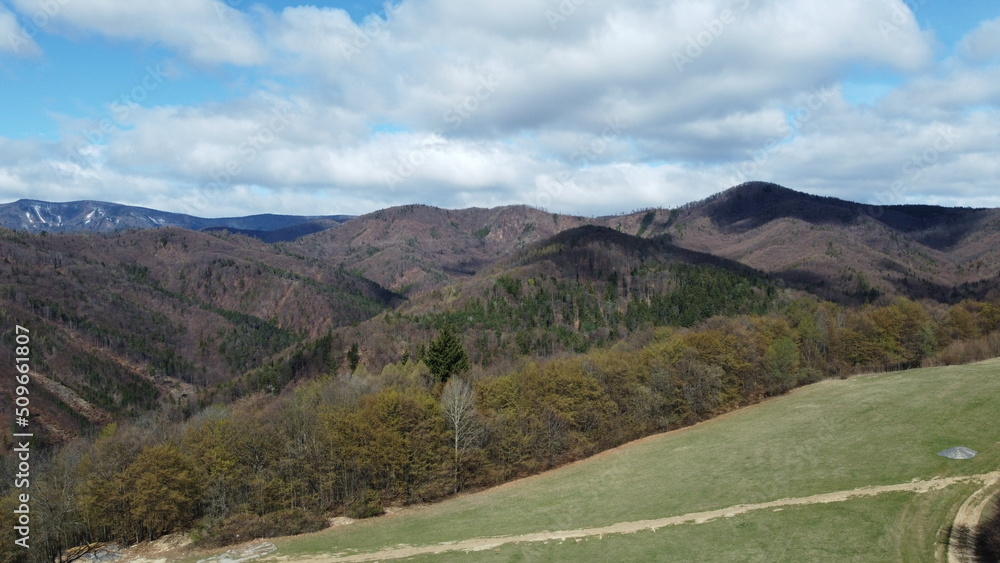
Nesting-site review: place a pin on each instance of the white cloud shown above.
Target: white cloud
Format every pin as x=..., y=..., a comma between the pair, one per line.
x=561, y=88
x=615, y=188
x=14, y=38
x=870, y=157
x=982, y=44
x=204, y=31
x=950, y=93
x=325, y=39
x=592, y=109
x=422, y=67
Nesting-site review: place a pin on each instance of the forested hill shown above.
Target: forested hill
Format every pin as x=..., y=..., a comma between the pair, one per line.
x=127, y=321
x=598, y=251
x=842, y=249
x=413, y=248
x=584, y=287
x=846, y=251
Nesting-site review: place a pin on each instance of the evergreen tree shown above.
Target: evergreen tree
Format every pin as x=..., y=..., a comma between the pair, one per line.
x=446, y=357
x=353, y=357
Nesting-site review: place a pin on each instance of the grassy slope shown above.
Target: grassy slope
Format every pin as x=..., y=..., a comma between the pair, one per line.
x=871, y=529
x=836, y=435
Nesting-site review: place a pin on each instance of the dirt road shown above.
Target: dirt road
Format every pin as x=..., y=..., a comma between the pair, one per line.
x=970, y=513
x=481, y=544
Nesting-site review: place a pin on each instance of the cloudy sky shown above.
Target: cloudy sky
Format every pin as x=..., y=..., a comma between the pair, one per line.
x=232, y=107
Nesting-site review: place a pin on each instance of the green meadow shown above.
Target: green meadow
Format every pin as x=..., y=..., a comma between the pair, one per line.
x=833, y=436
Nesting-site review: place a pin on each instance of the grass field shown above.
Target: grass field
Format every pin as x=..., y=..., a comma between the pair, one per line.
x=872, y=529
x=833, y=436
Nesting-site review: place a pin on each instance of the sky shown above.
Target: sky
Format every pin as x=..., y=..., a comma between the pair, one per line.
x=236, y=107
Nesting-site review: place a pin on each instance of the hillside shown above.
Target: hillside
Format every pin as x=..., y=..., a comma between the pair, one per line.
x=584, y=287
x=416, y=247
x=840, y=470
x=840, y=248
x=284, y=234
x=126, y=321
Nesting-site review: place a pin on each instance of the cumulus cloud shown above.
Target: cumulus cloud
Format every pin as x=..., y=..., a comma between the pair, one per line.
x=982, y=44
x=664, y=61
x=950, y=93
x=589, y=108
x=867, y=156
x=689, y=77
x=701, y=81
x=14, y=38
x=205, y=31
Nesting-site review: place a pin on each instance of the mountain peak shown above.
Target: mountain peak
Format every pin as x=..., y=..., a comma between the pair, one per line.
x=752, y=204
x=758, y=188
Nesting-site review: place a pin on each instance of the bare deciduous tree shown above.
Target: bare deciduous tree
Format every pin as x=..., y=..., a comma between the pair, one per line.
x=458, y=404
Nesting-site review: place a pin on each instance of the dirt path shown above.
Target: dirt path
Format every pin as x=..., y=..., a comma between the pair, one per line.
x=481, y=544
x=970, y=513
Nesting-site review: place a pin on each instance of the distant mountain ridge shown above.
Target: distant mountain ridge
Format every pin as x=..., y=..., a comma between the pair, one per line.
x=943, y=253
x=835, y=248
x=35, y=216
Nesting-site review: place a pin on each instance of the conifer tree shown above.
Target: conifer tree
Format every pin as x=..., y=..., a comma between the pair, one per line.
x=353, y=357
x=446, y=357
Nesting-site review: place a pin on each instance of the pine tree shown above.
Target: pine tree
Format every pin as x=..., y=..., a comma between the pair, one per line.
x=446, y=357
x=353, y=357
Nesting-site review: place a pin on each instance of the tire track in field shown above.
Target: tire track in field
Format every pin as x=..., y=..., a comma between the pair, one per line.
x=969, y=515
x=482, y=544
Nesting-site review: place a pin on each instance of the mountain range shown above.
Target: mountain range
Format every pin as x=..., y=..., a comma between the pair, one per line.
x=834, y=248
x=826, y=245
x=135, y=307
x=97, y=216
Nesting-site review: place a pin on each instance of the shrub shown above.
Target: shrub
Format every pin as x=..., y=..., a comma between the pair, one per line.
x=243, y=527
x=367, y=505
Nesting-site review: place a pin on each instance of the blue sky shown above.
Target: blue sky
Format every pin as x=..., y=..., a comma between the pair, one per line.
x=223, y=107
